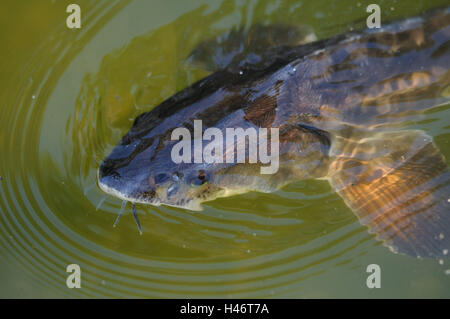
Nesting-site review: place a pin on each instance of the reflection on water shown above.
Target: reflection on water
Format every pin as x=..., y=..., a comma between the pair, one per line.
x=68, y=101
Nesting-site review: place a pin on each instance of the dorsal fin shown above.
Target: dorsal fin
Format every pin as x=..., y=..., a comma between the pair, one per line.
x=240, y=46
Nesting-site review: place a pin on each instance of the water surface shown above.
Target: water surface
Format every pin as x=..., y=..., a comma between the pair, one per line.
x=67, y=97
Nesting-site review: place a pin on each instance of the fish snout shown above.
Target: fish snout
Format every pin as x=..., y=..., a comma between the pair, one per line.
x=106, y=169
x=134, y=188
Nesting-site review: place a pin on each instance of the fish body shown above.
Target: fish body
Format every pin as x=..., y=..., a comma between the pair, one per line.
x=335, y=104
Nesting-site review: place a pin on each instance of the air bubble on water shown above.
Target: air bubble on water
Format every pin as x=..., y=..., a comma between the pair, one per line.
x=254, y=234
x=248, y=251
x=240, y=72
x=292, y=71
x=441, y=262
x=445, y=251
x=441, y=236
x=33, y=96
x=447, y=272
x=392, y=8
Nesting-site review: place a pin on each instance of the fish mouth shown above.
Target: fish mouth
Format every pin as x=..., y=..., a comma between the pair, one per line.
x=147, y=198
x=152, y=200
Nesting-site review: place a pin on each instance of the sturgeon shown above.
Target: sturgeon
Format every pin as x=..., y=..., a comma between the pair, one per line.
x=339, y=105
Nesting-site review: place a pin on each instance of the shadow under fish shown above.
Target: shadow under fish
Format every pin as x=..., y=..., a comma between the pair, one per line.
x=336, y=103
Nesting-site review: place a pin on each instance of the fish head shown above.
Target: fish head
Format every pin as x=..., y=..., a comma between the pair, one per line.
x=143, y=171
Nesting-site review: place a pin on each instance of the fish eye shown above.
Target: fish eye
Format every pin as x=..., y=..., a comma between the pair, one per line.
x=161, y=178
x=201, y=175
x=200, y=178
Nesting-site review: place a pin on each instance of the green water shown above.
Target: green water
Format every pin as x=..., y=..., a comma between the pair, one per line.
x=66, y=98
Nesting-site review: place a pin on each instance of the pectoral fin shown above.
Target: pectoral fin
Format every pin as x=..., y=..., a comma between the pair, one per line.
x=398, y=184
x=240, y=47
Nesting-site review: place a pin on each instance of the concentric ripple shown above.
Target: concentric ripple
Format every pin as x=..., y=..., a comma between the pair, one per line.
x=70, y=104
